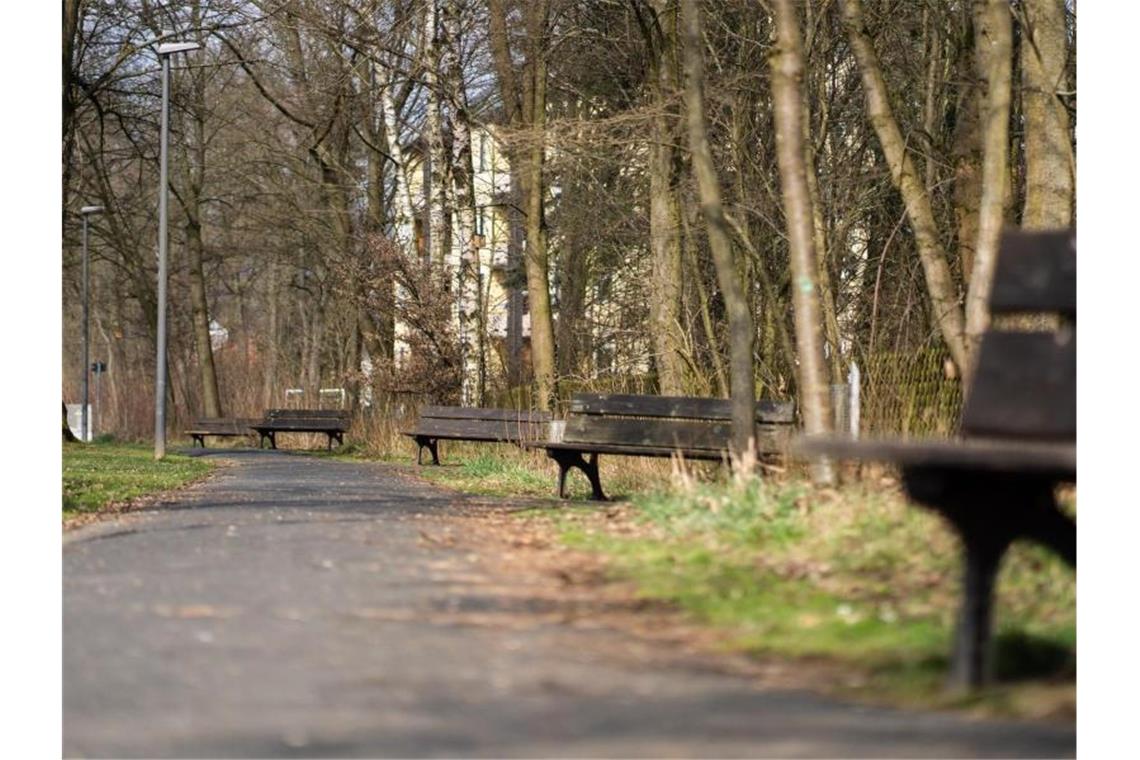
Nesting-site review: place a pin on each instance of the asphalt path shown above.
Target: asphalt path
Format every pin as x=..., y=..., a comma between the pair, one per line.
x=290, y=606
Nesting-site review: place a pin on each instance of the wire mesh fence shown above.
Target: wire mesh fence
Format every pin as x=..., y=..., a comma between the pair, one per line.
x=915, y=393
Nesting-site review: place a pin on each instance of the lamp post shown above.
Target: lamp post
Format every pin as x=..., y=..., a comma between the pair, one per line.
x=165, y=50
x=85, y=212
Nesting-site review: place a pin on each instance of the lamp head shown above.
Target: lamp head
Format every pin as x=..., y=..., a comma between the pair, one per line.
x=91, y=210
x=169, y=48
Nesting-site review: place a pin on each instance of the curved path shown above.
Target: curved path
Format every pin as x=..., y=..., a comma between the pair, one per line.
x=291, y=607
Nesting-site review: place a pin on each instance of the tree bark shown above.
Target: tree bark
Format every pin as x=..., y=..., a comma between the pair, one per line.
x=469, y=281
x=524, y=105
x=940, y=286
x=995, y=36
x=664, y=163
x=787, y=74
x=1049, y=161
x=211, y=399
x=736, y=303
x=439, y=198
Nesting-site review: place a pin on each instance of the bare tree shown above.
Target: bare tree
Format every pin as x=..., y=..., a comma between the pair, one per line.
x=995, y=37
x=739, y=318
x=787, y=74
x=904, y=175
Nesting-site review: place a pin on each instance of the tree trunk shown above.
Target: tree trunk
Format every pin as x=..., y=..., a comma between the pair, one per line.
x=524, y=106
x=947, y=312
x=211, y=399
x=473, y=352
x=439, y=199
x=787, y=74
x=995, y=35
x=736, y=303
x=665, y=204
x=1049, y=161
x=967, y=146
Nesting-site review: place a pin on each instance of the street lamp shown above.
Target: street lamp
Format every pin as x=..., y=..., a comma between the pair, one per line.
x=165, y=50
x=85, y=212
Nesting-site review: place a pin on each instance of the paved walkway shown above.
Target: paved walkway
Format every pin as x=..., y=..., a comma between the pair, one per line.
x=291, y=606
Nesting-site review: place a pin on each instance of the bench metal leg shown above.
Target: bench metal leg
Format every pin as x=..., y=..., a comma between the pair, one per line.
x=568, y=459
x=199, y=440
x=989, y=511
x=431, y=444
x=271, y=437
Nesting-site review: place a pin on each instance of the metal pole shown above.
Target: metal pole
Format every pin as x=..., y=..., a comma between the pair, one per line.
x=86, y=338
x=160, y=362
x=98, y=403
x=853, y=379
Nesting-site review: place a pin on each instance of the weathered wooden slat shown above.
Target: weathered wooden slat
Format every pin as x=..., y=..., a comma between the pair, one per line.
x=301, y=426
x=479, y=430
x=675, y=407
x=681, y=434
x=1058, y=459
x=1036, y=272
x=1025, y=386
x=221, y=426
x=770, y=439
x=469, y=413
x=640, y=451
x=308, y=413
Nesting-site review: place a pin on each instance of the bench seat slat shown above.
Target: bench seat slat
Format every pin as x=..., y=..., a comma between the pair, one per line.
x=340, y=414
x=639, y=451
x=479, y=430
x=683, y=434
x=993, y=454
x=674, y=407
x=468, y=413
x=300, y=425
x=221, y=426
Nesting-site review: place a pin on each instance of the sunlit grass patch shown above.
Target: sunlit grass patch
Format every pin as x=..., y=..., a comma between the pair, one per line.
x=852, y=575
x=97, y=475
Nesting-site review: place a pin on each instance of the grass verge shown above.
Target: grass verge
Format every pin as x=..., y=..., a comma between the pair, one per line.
x=853, y=577
x=97, y=476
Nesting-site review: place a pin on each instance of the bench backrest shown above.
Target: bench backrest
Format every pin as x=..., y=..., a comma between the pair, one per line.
x=322, y=419
x=685, y=423
x=1025, y=381
x=225, y=425
x=483, y=424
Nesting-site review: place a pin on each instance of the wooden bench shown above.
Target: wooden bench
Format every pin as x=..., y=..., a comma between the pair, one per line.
x=1018, y=435
x=656, y=426
x=220, y=427
x=331, y=422
x=459, y=423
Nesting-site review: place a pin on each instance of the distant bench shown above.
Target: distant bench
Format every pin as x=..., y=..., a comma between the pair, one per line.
x=460, y=423
x=332, y=422
x=219, y=427
x=657, y=426
x=1019, y=427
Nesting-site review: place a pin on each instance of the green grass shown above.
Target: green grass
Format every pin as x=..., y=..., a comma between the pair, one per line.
x=854, y=577
x=97, y=475
x=488, y=474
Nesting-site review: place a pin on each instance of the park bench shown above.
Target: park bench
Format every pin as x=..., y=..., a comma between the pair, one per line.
x=997, y=481
x=460, y=423
x=220, y=427
x=656, y=426
x=331, y=422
